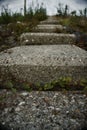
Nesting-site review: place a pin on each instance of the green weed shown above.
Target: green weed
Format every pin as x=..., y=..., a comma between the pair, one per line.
x=26, y=87
x=48, y=86
x=63, y=83
x=9, y=85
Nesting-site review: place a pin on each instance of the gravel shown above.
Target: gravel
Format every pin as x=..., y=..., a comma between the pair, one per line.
x=43, y=110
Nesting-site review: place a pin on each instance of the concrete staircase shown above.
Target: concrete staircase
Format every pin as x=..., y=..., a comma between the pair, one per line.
x=47, y=57
x=44, y=56
x=46, y=34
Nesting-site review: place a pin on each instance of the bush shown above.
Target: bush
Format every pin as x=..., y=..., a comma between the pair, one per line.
x=17, y=17
x=78, y=23
x=62, y=10
x=39, y=13
x=5, y=17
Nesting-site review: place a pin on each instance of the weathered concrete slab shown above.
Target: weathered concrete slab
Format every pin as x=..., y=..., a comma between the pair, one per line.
x=48, y=28
x=50, y=20
x=46, y=38
x=43, y=63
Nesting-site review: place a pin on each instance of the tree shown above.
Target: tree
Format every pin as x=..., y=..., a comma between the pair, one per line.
x=24, y=7
x=66, y=10
x=85, y=12
x=73, y=13
x=60, y=9
x=81, y=12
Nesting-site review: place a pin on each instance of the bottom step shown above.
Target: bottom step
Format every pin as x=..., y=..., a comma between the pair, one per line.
x=43, y=63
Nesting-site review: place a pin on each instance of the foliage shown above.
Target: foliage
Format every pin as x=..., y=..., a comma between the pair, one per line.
x=5, y=17
x=39, y=86
x=73, y=13
x=8, y=84
x=17, y=17
x=27, y=87
x=62, y=10
x=63, y=83
x=83, y=82
x=39, y=13
x=48, y=86
x=71, y=19
x=83, y=12
x=78, y=23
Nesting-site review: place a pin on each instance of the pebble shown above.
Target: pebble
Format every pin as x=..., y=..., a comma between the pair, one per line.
x=45, y=111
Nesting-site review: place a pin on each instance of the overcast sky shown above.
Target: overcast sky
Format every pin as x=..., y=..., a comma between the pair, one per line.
x=51, y=5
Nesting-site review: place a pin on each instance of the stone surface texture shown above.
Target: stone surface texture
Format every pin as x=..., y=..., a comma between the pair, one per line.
x=43, y=110
x=46, y=39
x=48, y=28
x=39, y=110
x=50, y=20
x=44, y=63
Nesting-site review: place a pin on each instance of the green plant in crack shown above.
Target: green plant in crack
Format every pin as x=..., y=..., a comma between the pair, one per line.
x=83, y=83
x=39, y=86
x=27, y=87
x=64, y=81
x=85, y=90
x=48, y=86
x=9, y=84
x=2, y=98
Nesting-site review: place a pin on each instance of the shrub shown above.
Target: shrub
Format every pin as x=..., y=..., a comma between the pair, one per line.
x=62, y=10
x=38, y=13
x=26, y=87
x=9, y=85
x=83, y=13
x=5, y=17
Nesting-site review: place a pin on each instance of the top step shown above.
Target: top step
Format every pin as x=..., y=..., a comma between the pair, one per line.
x=50, y=20
x=49, y=28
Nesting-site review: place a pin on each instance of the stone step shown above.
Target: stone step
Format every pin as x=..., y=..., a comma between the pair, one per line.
x=48, y=28
x=46, y=39
x=50, y=20
x=43, y=63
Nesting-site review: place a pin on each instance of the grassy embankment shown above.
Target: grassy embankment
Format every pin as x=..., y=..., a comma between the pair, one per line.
x=14, y=24
x=74, y=22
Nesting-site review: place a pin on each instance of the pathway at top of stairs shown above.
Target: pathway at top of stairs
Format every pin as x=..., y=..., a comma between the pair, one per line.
x=50, y=20
x=49, y=26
